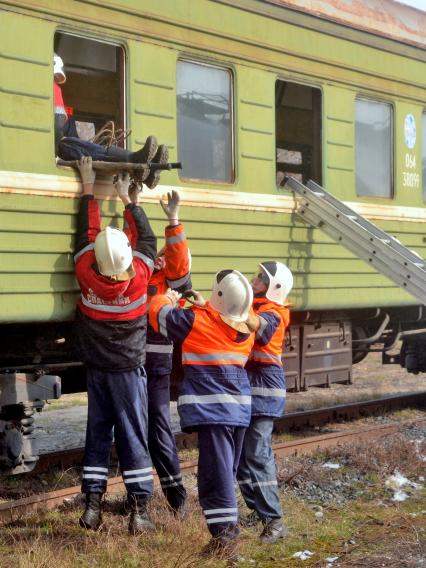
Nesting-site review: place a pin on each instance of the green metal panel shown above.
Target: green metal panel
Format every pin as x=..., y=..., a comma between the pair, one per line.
x=255, y=90
x=153, y=95
x=339, y=141
x=26, y=111
x=36, y=235
x=326, y=275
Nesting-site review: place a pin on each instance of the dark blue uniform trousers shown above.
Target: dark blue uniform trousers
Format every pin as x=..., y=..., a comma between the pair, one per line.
x=72, y=148
x=256, y=475
x=117, y=402
x=219, y=454
x=161, y=440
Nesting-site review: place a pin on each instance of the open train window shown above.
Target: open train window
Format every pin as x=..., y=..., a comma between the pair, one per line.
x=373, y=148
x=424, y=155
x=93, y=92
x=298, y=131
x=205, y=122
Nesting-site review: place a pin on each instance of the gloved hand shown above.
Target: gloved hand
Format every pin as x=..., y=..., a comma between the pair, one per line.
x=195, y=298
x=253, y=321
x=87, y=173
x=134, y=190
x=122, y=184
x=173, y=296
x=171, y=208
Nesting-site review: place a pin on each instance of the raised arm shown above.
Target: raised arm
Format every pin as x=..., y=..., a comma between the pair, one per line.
x=176, y=253
x=88, y=219
x=137, y=226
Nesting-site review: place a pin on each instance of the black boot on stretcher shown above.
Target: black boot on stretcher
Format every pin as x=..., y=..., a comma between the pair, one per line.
x=142, y=156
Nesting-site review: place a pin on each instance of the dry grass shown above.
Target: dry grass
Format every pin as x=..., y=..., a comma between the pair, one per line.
x=367, y=530
x=67, y=401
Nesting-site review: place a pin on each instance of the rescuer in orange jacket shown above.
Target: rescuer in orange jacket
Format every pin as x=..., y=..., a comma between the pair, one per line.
x=110, y=335
x=257, y=472
x=171, y=270
x=214, y=399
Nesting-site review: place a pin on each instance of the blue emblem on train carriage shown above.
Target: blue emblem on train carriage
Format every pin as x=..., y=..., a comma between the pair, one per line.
x=410, y=131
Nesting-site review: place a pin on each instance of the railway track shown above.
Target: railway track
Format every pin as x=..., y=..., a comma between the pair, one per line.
x=289, y=422
x=14, y=510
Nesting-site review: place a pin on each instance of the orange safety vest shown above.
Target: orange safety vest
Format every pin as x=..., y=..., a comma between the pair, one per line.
x=215, y=388
x=270, y=354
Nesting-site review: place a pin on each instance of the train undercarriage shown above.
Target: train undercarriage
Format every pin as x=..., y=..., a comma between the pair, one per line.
x=37, y=364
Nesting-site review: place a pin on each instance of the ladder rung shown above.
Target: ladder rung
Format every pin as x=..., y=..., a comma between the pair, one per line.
x=385, y=252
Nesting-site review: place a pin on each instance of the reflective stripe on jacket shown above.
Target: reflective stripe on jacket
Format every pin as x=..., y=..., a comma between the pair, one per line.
x=101, y=297
x=265, y=368
x=215, y=388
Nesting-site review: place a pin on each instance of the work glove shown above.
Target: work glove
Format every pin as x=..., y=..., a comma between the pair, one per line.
x=87, y=173
x=173, y=296
x=194, y=298
x=122, y=183
x=253, y=321
x=134, y=190
x=171, y=208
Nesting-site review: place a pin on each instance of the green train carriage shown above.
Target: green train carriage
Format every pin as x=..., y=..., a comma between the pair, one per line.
x=243, y=92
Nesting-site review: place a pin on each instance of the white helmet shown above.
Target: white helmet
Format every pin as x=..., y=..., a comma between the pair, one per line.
x=279, y=280
x=58, y=69
x=114, y=254
x=232, y=295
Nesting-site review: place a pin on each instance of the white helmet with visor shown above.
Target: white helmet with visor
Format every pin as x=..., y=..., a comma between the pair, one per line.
x=114, y=254
x=278, y=278
x=232, y=295
x=58, y=69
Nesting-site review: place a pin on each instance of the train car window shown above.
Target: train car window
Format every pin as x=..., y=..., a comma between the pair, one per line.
x=373, y=148
x=298, y=131
x=424, y=155
x=205, y=122
x=93, y=92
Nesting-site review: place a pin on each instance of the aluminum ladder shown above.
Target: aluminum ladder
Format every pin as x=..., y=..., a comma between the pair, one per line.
x=379, y=249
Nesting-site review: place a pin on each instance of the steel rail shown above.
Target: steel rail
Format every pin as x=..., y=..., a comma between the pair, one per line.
x=289, y=422
x=15, y=510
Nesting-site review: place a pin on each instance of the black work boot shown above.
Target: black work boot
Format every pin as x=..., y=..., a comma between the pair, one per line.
x=92, y=518
x=139, y=519
x=250, y=520
x=142, y=156
x=223, y=548
x=180, y=511
x=147, y=153
x=161, y=157
x=273, y=530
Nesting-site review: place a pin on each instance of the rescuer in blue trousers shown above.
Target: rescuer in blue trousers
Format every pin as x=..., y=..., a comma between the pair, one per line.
x=171, y=270
x=214, y=396
x=110, y=327
x=256, y=474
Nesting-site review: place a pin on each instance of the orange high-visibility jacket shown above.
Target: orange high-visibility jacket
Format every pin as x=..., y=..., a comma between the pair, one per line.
x=265, y=366
x=215, y=389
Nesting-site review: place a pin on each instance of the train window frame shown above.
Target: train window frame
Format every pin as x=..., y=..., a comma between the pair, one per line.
x=232, y=77
x=121, y=72
x=317, y=145
x=389, y=104
x=423, y=153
